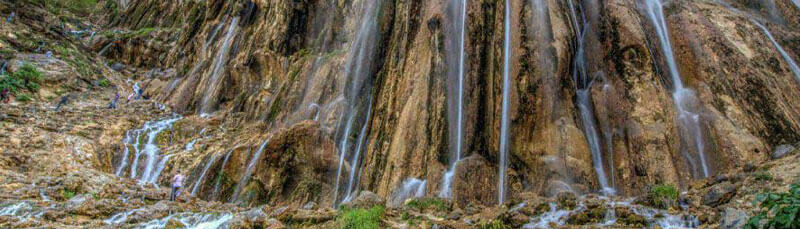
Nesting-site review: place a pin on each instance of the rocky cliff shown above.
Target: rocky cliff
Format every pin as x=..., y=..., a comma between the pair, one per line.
x=293, y=102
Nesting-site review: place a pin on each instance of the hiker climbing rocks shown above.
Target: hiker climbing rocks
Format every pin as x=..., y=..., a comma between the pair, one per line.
x=62, y=102
x=177, y=186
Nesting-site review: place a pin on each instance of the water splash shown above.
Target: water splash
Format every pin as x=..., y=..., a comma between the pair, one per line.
x=684, y=98
x=504, y=125
x=460, y=21
x=410, y=188
x=249, y=171
x=212, y=86
x=582, y=86
x=190, y=221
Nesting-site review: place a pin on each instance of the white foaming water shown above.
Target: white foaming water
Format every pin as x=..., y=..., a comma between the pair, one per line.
x=789, y=60
x=121, y=217
x=358, y=71
x=460, y=21
x=124, y=161
x=249, y=171
x=684, y=98
x=212, y=87
x=583, y=85
x=654, y=217
x=203, y=174
x=215, y=194
x=152, y=166
x=411, y=187
x=504, y=125
x=190, y=221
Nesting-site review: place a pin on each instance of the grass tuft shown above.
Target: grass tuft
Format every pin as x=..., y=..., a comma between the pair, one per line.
x=359, y=218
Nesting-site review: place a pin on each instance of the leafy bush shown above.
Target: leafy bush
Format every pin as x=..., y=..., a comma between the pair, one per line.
x=663, y=196
x=104, y=83
x=67, y=194
x=763, y=176
x=359, y=218
x=27, y=76
x=24, y=98
x=11, y=83
x=494, y=224
x=422, y=204
x=777, y=210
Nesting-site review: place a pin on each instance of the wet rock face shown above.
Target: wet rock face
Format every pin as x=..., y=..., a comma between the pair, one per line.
x=284, y=62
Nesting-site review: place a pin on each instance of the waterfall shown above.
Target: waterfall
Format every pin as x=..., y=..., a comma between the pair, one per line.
x=221, y=60
x=447, y=180
x=789, y=60
x=796, y=3
x=684, y=98
x=582, y=86
x=153, y=166
x=215, y=193
x=249, y=171
x=354, y=164
x=501, y=184
x=203, y=174
x=358, y=71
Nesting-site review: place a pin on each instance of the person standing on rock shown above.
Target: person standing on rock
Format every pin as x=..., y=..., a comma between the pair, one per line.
x=5, y=95
x=177, y=186
x=62, y=102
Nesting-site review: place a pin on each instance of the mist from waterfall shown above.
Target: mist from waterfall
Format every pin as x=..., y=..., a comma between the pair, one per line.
x=504, y=125
x=358, y=94
x=583, y=85
x=457, y=138
x=684, y=98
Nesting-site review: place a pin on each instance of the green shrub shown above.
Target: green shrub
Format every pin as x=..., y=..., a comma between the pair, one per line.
x=11, y=83
x=67, y=194
x=422, y=204
x=762, y=176
x=494, y=224
x=104, y=83
x=777, y=210
x=29, y=76
x=663, y=195
x=359, y=218
x=24, y=98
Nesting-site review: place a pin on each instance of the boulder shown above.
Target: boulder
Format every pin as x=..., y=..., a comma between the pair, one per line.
x=719, y=194
x=781, y=151
x=733, y=218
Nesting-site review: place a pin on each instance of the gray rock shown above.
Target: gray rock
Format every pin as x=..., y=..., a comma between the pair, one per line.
x=733, y=218
x=310, y=206
x=781, y=151
x=719, y=194
x=365, y=199
x=117, y=66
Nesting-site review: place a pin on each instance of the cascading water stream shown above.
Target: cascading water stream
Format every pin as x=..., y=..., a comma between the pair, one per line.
x=582, y=87
x=221, y=60
x=358, y=71
x=153, y=166
x=447, y=180
x=354, y=164
x=504, y=125
x=215, y=193
x=249, y=171
x=792, y=65
x=203, y=174
x=684, y=98
x=796, y=3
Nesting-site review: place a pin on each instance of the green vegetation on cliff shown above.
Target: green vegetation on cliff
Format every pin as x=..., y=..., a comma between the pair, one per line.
x=777, y=210
x=27, y=77
x=360, y=218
